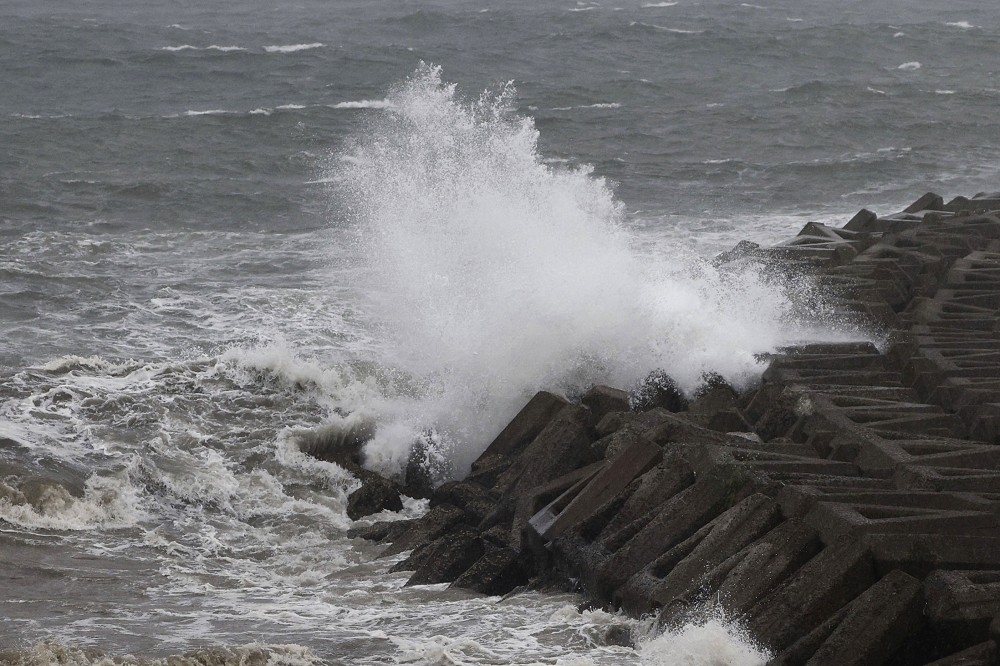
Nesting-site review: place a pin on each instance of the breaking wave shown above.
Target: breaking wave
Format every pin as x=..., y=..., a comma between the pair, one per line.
x=493, y=274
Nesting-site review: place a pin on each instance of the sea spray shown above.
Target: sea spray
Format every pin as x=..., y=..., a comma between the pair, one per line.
x=493, y=274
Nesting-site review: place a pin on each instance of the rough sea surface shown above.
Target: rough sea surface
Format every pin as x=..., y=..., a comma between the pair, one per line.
x=225, y=227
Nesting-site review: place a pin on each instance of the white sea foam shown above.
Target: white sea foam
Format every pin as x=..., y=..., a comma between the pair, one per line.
x=51, y=652
x=495, y=274
x=708, y=642
x=290, y=107
x=108, y=502
x=212, y=47
x=363, y=104
x=292, y=48
x=909, y=66
x=659, y=4
x=964, y=25
x=206, y=112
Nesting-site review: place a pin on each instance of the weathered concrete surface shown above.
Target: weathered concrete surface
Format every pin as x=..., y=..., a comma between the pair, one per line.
x=846, y=510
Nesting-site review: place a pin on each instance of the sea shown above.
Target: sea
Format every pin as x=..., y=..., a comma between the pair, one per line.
x=229, y=227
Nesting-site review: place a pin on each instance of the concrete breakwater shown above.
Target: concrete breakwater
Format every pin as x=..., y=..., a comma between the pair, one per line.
x=846, y=509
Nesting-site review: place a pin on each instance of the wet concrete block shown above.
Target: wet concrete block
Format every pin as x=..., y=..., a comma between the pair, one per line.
x=554, y=519
x=764, y=564
x=603, y=400
x=876, y=624
x=654, y=488
x=427, y=528
x=521, y=430
x=562, y=446
x=676, y=520
x=862, y=221
x=919, y=554
x=679, y=572
x=962, y=604
x=984, y=654
x=929, y=201
x=447, y=558
x=497, y=572
x=817, y=590
x=834, y=519
x=475, y=500
x=376, y=494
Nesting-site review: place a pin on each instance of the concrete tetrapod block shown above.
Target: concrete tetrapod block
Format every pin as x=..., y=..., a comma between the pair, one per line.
x=678, y=573
x=817, y=590
x=919, y=554
x=521, y=430
x=962, y=604
x=765, y=564
x=865, y=632
x=984, y=654
x=602, y=400
x=677, y=519
x=877, y=624
x=638, y=458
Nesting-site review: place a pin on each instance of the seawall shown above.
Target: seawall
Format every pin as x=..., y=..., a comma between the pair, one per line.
x=846, y=509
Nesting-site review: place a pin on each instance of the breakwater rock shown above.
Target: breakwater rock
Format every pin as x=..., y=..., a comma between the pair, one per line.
x=846, y=510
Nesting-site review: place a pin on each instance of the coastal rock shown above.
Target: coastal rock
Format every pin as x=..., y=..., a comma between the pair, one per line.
x=375, y=494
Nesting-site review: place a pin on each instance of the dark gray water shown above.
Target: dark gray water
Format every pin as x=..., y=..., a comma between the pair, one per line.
x=223, y=225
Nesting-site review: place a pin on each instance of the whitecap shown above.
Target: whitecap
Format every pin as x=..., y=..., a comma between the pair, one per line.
x=964, y=25
x=292, y=48
x=108, y=502
x=290, y=107
x=899, y=34
x=363, y=104
x=659, y=4
x=211, y=47
x=206, y=112
x=875, y=90
x=944, y=92
x=260, y=112
x=909, y=66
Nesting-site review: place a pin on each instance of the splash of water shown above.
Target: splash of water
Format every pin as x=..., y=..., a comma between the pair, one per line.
x=494, y=274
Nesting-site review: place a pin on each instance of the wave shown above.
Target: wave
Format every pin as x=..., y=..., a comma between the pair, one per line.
x=292, y=48
x=658, y=4
x=964, y=25
x=910, y=66
x=108, y=502
x=51, y=652
x=714, y=635
x=363, y=104
x=213, y=47
x=494, y=274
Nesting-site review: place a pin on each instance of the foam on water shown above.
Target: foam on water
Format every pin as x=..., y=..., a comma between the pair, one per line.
x=292, y=48
x=493, y=274
x=51, y=652
x=108, y=502
x=711, y=642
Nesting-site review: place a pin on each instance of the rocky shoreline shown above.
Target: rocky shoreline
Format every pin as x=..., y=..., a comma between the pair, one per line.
x=846, y=509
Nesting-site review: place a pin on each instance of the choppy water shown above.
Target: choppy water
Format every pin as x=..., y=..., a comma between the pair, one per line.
x=222, y=226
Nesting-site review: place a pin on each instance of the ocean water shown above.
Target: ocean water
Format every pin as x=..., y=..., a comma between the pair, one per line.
x=225, y=227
